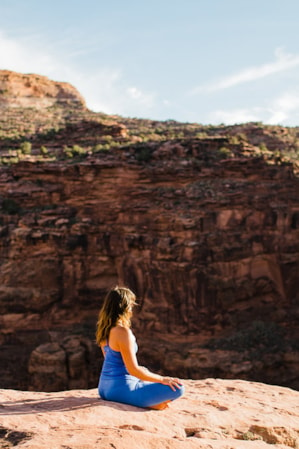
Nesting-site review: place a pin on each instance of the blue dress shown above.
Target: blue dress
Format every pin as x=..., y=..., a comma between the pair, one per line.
x=116, y=384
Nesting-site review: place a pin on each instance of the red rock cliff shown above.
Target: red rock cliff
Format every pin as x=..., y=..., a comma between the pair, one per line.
x=30, y=90
x=207, y=250
x=208, y=242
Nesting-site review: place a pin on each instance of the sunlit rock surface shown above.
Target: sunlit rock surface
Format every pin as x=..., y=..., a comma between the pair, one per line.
x=213, y=414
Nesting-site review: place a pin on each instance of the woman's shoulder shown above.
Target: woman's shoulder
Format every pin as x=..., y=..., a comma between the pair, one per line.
x=115, y=333
x=121, y=331
x=118, y=336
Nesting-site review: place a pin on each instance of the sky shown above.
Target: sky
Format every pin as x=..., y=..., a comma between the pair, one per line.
x=208, y=62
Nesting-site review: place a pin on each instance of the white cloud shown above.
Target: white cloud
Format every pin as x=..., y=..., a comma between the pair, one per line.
x=142, y=97
x=284, y=108
x=27, y=56
x=105, y=89
x=234, y=116
x=282, y=63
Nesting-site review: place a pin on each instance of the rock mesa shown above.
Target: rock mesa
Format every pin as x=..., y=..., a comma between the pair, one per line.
x=30, y=90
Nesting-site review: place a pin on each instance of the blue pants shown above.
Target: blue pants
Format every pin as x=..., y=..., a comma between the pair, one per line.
x=131, y=390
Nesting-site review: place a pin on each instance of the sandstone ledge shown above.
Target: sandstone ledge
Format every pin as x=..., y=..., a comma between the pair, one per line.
x=214, y=413
x=36, y=91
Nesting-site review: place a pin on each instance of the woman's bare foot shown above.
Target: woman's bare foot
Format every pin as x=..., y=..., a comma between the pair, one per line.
x=161, y=406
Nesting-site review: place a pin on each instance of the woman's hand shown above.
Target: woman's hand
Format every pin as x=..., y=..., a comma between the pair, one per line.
x=173, y=382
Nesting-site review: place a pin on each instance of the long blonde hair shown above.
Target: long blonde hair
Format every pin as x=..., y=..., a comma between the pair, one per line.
x=117, y=307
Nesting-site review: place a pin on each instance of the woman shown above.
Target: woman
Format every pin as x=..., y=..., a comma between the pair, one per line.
x=122, y=378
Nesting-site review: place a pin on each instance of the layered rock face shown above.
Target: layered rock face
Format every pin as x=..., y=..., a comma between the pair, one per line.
x=208, y=251
x=203, y=229
x=30, y=90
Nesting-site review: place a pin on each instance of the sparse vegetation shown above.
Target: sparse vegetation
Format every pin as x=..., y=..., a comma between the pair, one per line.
x=26, y=147
x=64, y=133
x=250, y=436
x=44, y=150
x=143, y=153
x=263, y=147
x=225, y=152
x=9, y=206
x=258, y=338
x=74, y=151
x=100, y=147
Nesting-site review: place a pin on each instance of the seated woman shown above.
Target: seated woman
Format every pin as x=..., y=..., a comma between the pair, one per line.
x=122, y=379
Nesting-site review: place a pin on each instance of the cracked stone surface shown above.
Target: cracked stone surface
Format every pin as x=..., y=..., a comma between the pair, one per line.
x=213, y=414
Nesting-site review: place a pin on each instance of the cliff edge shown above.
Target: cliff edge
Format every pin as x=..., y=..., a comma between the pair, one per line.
x=201, y=222
x=36, y=91
x=214, y=414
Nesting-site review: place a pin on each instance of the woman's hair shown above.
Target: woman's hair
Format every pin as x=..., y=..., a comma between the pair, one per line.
x=117, y=306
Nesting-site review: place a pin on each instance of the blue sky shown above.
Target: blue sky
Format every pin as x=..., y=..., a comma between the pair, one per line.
x=210, y=62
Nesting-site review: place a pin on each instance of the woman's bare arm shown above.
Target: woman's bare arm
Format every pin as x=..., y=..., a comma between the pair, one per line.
x=126, y=343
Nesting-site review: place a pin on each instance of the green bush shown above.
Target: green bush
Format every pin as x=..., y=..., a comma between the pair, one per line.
x=234, y=140
x=143, y=153
x=201, y=135
x=26, y=147
x=68, y=152
x=10, y=206
x=263, y=147
x=101, y=147
x=225, y=152
x=107, y=138
x=44, y=150
x=76, y=149
x=259, y=338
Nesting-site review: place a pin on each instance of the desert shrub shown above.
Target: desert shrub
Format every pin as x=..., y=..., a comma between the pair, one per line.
x=263, y=147
x=143, y=154
x=75, y=150
x=259, y=338
x=107, y=138
x=44, y=150
x=69, y=154
x=101, y=147
x=201, y=135
x=242, y=137
x=225, y=152
x=10, y=206
x=26, y=147
x=250, y=436
x=234, y=140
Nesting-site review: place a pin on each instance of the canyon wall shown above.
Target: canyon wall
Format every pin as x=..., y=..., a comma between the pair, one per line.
x=209, y=251
x=204, y=227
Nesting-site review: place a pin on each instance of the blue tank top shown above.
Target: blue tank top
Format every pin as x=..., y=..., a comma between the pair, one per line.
x=113, y=365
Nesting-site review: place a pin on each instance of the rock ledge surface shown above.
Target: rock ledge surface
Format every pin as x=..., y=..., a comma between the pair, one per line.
x=214, y=414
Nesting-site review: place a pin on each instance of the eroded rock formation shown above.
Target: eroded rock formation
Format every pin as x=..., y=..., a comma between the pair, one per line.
x=208, y=250
x=205, y=231
x=30, y=90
